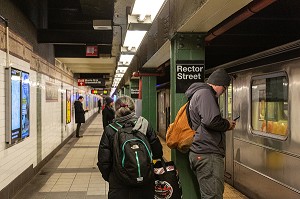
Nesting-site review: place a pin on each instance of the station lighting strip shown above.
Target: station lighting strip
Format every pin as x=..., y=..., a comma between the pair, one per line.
x=142, y=10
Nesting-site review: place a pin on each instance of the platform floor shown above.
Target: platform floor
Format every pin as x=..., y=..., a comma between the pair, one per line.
x=72, y=173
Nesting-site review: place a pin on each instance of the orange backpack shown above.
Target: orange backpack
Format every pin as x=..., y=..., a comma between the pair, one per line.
x=179, y=134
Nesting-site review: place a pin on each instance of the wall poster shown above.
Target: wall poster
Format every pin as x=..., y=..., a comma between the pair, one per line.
x=15, y=105
x=68, y=106
x=25, y=104
x=18, y=105
x=51, y=92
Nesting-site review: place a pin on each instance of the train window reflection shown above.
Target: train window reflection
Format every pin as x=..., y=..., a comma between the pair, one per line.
x=226, y=99
x=270, y=106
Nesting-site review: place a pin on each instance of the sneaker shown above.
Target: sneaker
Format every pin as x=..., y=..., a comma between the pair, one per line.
x=80, y=136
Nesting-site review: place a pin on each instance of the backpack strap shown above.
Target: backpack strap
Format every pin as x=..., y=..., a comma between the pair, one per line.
x=120, y=126
x=116, y=128
x=188, y=114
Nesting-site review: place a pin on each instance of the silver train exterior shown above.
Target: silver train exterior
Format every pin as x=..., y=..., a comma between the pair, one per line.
x=260, y=164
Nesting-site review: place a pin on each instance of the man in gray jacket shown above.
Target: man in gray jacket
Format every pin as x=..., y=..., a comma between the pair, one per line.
x=208, y=149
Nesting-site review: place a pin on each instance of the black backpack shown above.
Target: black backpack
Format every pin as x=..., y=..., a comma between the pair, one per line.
x=132, y=155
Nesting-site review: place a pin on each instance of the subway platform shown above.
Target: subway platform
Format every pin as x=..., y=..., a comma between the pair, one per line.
x=73, y=174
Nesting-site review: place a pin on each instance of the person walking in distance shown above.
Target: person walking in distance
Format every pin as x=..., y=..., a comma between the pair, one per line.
x=207, y=152
x=79, y=114
x=108, y=113
x=99, y=105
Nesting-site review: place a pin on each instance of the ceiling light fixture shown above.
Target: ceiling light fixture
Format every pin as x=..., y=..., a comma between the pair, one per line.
x=102, y=24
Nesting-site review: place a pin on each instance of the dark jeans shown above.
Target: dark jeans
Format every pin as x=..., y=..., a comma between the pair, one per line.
x=77, y=129
x=209, y=169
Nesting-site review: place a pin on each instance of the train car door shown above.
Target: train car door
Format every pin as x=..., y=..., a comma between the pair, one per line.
x=225, y=102
x=163, y=112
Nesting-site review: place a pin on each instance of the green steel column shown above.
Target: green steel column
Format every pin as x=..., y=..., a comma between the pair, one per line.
x=184, y=47
x=149, y=100
x=126, y=90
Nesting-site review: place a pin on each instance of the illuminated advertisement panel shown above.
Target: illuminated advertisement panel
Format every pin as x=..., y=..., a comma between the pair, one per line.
x=25, y=104
x=68, y=106
x=87, y=99
x=15, y=105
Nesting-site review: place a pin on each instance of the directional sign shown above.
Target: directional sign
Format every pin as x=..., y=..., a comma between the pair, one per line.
x=91, y=51
x=81, y=82
x=91, y=82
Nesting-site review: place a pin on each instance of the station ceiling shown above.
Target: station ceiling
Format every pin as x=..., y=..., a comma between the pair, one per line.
x=68, y=24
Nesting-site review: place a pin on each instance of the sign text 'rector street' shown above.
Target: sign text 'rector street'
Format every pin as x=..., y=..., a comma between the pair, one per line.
x=189, y=72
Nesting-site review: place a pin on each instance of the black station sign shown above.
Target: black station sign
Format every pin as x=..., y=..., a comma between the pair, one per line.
x=134, y=93
x=187, y=73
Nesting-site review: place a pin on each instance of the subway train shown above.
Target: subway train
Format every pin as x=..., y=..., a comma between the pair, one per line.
x=263, y=151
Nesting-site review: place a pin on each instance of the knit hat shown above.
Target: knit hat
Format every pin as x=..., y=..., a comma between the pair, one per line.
x=108, y=100
x=219, y=78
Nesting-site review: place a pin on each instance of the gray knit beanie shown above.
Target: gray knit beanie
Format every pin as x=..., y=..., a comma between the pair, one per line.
x=219, y=78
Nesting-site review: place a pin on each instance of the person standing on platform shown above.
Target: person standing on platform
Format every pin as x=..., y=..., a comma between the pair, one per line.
x=207, y=152
x=79, y=115
x=125, y=115
x=99, y=105
x=108, y=113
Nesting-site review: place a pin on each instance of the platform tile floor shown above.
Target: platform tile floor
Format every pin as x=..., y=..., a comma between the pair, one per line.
x=72, y=173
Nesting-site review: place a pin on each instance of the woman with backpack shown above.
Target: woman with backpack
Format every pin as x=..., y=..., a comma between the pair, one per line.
x=128, y=144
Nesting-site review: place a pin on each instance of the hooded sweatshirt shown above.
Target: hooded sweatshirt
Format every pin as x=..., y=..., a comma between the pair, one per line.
x=206, y=120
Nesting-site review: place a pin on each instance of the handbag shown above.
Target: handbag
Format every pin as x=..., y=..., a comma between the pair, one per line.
x=167, y=183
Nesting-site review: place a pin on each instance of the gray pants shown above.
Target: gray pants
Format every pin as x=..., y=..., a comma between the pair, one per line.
x=209, y=169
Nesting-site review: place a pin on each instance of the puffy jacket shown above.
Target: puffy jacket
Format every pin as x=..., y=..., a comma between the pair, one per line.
x=105, y=164
x=206, y=120
x=108, y=114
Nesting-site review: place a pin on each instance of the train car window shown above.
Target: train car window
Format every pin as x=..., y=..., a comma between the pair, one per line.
x=226, y=99
x=229, y=102
x=222, y=104
x=270, y=105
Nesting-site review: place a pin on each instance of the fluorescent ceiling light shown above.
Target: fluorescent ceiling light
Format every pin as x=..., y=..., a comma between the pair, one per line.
x=117, y=79
x=126, y=59
x=121, y=69
x=133, y=39
x=119, y=75
x=112, y=91
x=146, y=7
x=102, y=24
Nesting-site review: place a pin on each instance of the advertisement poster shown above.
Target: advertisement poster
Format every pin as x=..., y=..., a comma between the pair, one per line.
x=15, y=105
x=87, y=101
x=68, y=108
x=51, y=92
x=25, y=104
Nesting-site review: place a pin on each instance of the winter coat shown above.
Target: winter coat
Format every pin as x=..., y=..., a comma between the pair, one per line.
x=79, y=112
x=108, y=114
x=206, y=120
x=118, y=190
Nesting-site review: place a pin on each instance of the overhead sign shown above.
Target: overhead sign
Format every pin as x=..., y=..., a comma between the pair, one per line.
x=91, y=51
x=187, y=73
x=81, y=82
x=91, y=82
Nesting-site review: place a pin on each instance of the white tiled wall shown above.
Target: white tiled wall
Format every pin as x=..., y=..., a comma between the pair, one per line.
x=15, y=159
